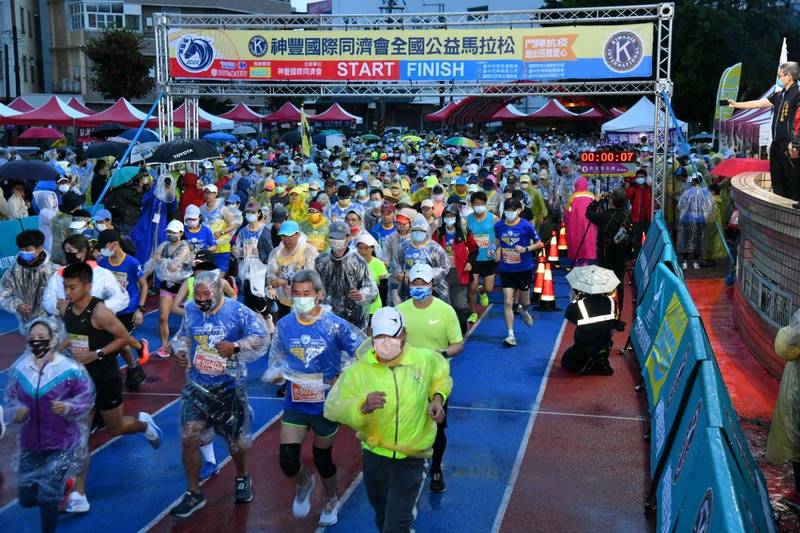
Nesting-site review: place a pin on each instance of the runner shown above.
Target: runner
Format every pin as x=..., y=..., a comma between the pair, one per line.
x=217, y=337
x=50, y=396
x=516, y=240
x=377, y=269
x=433, y=324
x=291, y=256
x=310, y=349
x=481, y=223
x=95, y=337
x=421, y=249
x=251, y=248
x=392, y=396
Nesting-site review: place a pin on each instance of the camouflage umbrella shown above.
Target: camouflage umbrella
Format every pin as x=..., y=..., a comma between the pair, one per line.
x=592, y=279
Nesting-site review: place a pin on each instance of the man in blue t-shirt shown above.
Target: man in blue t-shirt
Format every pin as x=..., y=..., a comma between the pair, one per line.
x=310, y=349
x=515, y=242
x=481, y=223
x=128, y=272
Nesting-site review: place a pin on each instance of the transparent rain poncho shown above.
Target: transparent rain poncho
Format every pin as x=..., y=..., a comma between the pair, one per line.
x=784, y=432
x=339, y=277
x=26, y=285
x=312, y=355
x=284, y=264
x=215, y=396
x=51, y=447
x=172, y=262
x=47, y=202
x=695, y=205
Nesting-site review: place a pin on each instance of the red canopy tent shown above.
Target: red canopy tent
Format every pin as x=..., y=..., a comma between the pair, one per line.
x=615, y=111
x=179, y=119
x=336, y=113
x=477, y=109
x=53, y=113
x=509, y=114
x=122, y=112
x=285, y=113
x=442, y=114
x=593, y=113
x=21, y=105
x=552, y=110
x=242, y=113
x=747, y=124
x=75, y=104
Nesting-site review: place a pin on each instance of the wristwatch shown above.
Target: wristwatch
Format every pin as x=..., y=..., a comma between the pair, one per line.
x=445, y=354
x=100, y=355
x=141, y=308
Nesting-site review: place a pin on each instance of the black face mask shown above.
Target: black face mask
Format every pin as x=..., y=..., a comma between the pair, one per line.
x=204, y=305
x=39, y=347
x=71, y=258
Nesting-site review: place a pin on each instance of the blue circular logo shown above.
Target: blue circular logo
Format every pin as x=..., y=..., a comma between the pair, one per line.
x=194, y=54
x=257, y=46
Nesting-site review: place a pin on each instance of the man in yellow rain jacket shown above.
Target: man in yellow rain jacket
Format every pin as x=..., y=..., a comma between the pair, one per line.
x=393, y=396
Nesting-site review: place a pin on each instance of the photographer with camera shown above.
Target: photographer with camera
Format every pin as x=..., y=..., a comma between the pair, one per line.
x=613, y=235
x=784, y=152
x=596, y=318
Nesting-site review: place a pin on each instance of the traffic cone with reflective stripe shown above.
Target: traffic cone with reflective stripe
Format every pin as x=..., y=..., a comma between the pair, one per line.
x=552, y=251
x=562, y=240
x=539, y=281
x=547, y=300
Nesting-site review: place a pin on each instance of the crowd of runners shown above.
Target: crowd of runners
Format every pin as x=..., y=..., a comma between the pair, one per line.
x=356, y=271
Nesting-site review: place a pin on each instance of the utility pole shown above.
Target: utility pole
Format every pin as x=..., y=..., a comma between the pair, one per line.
x=15, y=44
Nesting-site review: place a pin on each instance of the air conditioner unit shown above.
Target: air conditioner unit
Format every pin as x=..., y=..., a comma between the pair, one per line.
x=148, y=22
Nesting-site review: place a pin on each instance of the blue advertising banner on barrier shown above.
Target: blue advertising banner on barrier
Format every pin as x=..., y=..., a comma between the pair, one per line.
x=9, y=229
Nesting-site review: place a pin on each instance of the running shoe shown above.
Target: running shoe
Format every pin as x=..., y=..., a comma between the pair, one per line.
x=68, y=485
x=484, y=300
x=684, y=265
x=144, y=353
x=134, y=377
x=472, y=318
x=244, y=489
x=281, y=392
x=527, y=318
x=696, y=265
x=2, y=422
x=302, y=499
x=77, y=503
x=153, y=433
x=191, y=502
x=437, y=483
x=208, y=470
x=162, y=353
x=330, y=512
x=510, y=341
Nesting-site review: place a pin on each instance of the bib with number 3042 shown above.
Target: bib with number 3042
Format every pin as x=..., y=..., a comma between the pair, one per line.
x=208, y=361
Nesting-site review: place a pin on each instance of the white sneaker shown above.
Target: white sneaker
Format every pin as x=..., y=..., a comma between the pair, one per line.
x=510, y=341
x=684, y=265
x=153, y=433
x=77, y=503
x=696, y=265
x=526, y=317
x=330, y=512
x=2, y=422
x=302, y=499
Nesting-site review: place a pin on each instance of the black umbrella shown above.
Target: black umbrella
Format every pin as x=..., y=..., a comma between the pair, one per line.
x=183, y=151
x=105, y=149
x=28, y=170
x=292, y=137
x=108, y=130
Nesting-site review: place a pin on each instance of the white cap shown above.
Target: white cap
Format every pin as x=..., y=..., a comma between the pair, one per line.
x=210, y=188
x=175, y=226
x=473, y=168
x=421, y=271
x=192, y=211
x=387, y=321
x=366, y=238
x=426, y=203
x=207, y=164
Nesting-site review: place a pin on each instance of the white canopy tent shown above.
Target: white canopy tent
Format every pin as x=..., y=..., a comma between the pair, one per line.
x=638, y=119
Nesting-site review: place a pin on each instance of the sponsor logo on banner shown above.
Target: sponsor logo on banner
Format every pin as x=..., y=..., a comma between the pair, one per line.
x=257, y=46
x=687, y=442
x=665, y=505
x=195, y=54
x=702, y=522
x=623, y=51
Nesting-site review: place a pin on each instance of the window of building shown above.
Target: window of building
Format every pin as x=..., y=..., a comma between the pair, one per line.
x=22, y=20
x=133, y=22
x=25, y=68
x=33, y=70
x=100, y=15
x=30, y=24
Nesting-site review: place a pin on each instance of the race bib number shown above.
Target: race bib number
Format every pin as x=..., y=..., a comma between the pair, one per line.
x=301, y=394
x=511, y=257
x=156, y=218
x=208, y=361
x=122, y=279
x=78, y=343
x=482, y=240
x=250, y=248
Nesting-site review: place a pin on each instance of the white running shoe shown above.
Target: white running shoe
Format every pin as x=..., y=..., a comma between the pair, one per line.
x=2, y=422
x=77, y=503
x=302, y=499
x=330, y=512
x=153, y=433
x=696, y=265
x=684, y=265
x=510, y=341
x=527, y=318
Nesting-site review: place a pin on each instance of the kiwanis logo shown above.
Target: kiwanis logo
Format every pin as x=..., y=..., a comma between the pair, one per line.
x=623, y=51
x=257, y=46
x=195, y=54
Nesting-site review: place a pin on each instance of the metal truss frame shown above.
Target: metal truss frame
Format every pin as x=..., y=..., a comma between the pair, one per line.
x=661, y=15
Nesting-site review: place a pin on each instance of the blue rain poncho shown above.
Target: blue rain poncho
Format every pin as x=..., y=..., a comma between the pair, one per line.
x=150, y=229
x=695, y=205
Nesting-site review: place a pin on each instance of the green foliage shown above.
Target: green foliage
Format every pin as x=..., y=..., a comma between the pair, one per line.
x=710, y=36
x=118, y=68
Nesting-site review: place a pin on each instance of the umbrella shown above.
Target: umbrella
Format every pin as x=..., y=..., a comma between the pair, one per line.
x=105, y=149
x=28, y=170
x=592, y=279
x=291, y=137
x=41, y=133
x=370, y=137
x=220, y=137
x=143, y=151
x=147, y=136
x=108, y=130
x=702, y=136
x=734, y=166
x=184, y=151
x=416, y=139
x=460, y=141
x=123, y=175
x=243, y=130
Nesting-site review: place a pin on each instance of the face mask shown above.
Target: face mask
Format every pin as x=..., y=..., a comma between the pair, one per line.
x=479, y=209
x=27, y=257
x=106, y=252
x=420, y=293
x=388, y=348
x=173, y=238
x=63, y=188
x=344, y=202
x=251, y=217
x=337, y=245
x=304, y=304
x=204, y=305
x=280, y=189
x=101, y=227
x=315, y=217
x=419, y=236
x=511, y=215
x=362, y=193
x=71, y=258
x=39, y=348
x=193, y=223
x=640, y=181
x=182, y=172
x=450, y=222
x=376, y=204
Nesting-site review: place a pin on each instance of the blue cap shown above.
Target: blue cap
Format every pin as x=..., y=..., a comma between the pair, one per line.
x=103, y=214
x=281, y=179
x=233, y=199
x=289, y=228
x=461, y=180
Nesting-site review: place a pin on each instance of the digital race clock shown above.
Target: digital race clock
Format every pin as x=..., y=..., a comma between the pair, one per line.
x=625, y=156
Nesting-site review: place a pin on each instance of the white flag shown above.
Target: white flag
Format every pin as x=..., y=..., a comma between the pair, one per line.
x=784, y=58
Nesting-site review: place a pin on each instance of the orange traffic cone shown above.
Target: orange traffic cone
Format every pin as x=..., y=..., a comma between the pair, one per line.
x=552, y=252
x=562, y=240
x=547, y=300
x=539, y=281
x=644, y=238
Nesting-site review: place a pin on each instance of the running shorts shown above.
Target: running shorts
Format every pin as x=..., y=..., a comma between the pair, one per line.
x=483, y=268
x=108, y=394
x=516, y=280
x=321, y=426
x=222, y=410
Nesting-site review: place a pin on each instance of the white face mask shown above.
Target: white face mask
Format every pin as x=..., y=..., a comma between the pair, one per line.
x=337, y=245
x=106, y=252
x=101, y=227
x=450, y=222
x=640, y=181
x=479, y=209
x=63, y=188
x=511, y=215
x=193, y=223
x=251, y=217
x=304, y=304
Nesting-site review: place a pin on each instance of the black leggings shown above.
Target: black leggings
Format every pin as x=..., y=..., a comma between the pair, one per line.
x=439, y=444
x=48, y=513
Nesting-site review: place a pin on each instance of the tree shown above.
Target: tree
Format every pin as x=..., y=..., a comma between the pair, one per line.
x=710, y=36
x=118, y=68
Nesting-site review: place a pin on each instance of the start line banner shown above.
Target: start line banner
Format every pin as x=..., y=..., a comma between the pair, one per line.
x=493, y=55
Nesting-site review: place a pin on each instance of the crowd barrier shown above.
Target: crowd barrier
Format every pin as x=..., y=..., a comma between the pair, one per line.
x=704, y=476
